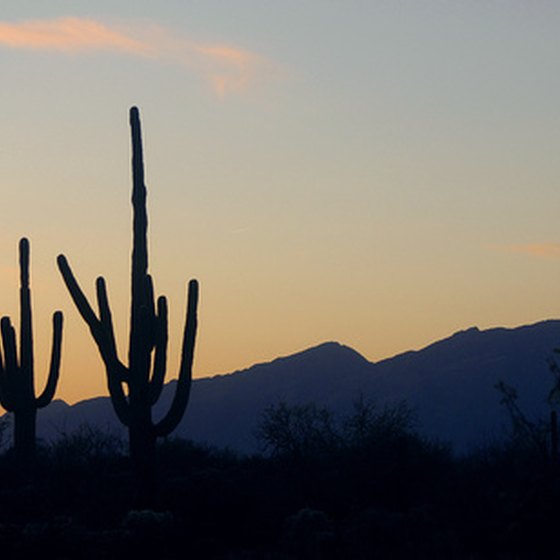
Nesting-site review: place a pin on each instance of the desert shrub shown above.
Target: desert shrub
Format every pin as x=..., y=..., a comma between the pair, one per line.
x=87, y=446
x=307, y=430
x=298, y=431
x=368, y=425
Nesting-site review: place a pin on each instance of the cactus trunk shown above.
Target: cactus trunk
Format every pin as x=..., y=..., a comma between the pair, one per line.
x=142, y=449
x=25, y=434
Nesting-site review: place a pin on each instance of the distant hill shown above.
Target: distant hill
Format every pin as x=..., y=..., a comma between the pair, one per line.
x=450, y=384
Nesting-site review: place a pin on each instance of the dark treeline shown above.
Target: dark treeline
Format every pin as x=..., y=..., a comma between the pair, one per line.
x=366, y=486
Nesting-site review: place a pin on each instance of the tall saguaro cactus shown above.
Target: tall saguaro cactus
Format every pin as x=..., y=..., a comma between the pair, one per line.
x=147, y=356
x=17, y=384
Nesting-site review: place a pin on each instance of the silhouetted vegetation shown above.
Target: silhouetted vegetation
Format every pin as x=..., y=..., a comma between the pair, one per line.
x=144, y=376
x=17, y=369
x=539, y=435
x=371, y=488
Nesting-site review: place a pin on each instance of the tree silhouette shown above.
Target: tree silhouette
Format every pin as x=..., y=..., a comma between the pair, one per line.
x=17, y=376
x=147, y=356
x=297, y=431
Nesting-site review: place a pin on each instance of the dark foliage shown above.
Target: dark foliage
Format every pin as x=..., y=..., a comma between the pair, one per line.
x=372, y=488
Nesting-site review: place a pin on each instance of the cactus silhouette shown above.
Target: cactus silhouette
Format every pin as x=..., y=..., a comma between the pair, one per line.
x=144, y=376
x=17, y=384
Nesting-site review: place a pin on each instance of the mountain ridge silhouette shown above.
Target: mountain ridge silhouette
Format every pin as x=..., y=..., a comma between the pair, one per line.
x=450, y=383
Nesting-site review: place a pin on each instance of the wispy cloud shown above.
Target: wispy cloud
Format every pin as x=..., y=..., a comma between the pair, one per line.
x=70, y=35
x=228, y=68
x=542, y=250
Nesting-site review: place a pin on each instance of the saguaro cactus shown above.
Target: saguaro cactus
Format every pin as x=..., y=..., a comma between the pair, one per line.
x=17, y=386
x=147, y=356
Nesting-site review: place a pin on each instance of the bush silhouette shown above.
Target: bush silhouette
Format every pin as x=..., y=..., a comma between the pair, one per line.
x=297, y=431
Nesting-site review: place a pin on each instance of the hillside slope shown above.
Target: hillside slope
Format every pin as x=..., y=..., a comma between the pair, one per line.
x=450, y=384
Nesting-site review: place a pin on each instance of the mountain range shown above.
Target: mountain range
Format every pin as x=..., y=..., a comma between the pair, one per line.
x=449, y=384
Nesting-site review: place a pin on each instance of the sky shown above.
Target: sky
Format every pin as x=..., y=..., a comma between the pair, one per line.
x=381, y=173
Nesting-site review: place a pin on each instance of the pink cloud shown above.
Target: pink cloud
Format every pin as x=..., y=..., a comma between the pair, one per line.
x=69, y=35
x=542, y=250
x=227, y=68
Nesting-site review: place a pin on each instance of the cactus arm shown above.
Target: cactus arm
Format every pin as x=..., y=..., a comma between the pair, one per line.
x=77, y=295
x=150, y=299
x=150, y=320
x=160, y=358
x=107, y=342
x=101, y=330
x=117, y=373
x=171, y=420
x=9, y=341
x=2, y=365
x=10, y=363
x=2, y=377
x=115, y=370
x=54, y=370
x=118, y=398
x=4, y=386
x=4, y=394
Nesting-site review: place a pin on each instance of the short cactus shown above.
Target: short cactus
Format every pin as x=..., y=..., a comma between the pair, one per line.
x=17, y=386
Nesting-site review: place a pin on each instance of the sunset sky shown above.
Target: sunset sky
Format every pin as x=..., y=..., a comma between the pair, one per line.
x=381, y=173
